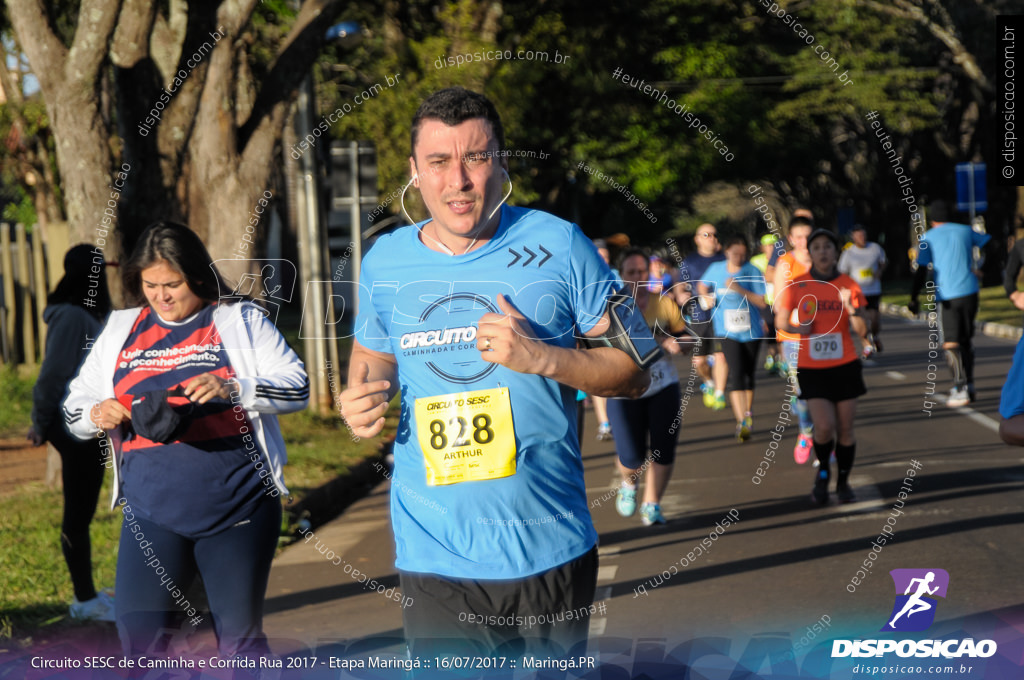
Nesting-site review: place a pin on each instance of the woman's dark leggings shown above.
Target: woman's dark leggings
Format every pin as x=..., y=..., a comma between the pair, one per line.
x=155, y=567
x=648, y=421
x=82, y=475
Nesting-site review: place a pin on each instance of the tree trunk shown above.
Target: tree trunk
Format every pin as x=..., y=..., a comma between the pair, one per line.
x=84, y=159
x=212, y=154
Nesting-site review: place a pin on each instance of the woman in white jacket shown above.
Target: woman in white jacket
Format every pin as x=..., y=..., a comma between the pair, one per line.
x=184, y=386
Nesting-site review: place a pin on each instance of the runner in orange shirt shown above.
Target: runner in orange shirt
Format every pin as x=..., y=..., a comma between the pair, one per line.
x=820, y=307
x=789, y=266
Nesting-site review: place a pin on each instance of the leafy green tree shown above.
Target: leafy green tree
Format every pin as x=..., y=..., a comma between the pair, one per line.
x=192, y=97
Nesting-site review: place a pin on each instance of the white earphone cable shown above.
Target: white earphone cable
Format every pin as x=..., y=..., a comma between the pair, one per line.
x=448, y=250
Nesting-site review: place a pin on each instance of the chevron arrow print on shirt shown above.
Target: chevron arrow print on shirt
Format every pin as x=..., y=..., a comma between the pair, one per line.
x=532, y=256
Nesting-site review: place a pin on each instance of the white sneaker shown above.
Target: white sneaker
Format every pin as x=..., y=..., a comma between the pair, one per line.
x=99, y=608
x=958, y=396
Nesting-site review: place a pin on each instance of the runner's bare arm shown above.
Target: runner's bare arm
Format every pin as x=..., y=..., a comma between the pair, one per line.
x=857, y=322
x=859, y=325
x=783, y=315
x=1011, y=430
x=509, y=340
x=780, y=275
x=753, y=298
x=372, y=383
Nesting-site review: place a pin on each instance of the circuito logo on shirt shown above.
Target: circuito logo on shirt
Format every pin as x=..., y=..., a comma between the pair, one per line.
x=455, y=318
x=914, y=611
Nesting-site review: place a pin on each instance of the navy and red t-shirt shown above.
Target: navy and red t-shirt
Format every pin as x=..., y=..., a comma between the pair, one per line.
x=205, y=480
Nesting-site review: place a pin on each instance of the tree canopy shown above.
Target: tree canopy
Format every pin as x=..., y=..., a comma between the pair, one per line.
x=790, y=105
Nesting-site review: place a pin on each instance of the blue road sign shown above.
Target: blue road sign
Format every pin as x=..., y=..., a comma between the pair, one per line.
x=970, y=187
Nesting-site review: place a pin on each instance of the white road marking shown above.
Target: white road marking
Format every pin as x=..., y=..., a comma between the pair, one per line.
x=676, y=506
x=607, y=573
x=979, y=418
x=869, y=497
x=608, y=550
x=948, y=461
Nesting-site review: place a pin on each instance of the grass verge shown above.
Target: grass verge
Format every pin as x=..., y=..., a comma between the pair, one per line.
x=16, y=387
x=993, y=305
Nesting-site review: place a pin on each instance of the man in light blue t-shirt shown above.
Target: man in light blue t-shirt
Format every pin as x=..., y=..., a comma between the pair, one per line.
x=947, y=249
x=698, y=313
x=1011, y=405
x=474, y=315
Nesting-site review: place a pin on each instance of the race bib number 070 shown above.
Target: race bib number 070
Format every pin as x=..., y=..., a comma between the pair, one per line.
x=466, y=436
x=827, y=347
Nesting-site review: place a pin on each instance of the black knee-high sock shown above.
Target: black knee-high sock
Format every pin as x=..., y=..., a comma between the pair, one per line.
x=844, y=459
x=823, y=452
x=967, y=356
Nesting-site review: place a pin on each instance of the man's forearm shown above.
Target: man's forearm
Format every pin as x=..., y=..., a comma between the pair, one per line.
x=599, y=371
x=380, y=368
x=1011, y=430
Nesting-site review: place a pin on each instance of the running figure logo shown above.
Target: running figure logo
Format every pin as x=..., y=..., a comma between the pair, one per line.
x=915, y=609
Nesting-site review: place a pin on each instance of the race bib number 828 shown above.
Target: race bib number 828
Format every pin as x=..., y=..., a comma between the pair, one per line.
x=466, y=436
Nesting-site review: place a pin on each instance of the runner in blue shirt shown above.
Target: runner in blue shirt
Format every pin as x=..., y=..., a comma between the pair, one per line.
x=697, y=310
x=1011, y=406
x=948, y=250
x=474, y=314
x=738, y=288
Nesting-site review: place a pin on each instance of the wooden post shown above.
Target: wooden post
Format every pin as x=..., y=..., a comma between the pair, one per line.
x=25, y=294
x=333, y=356
x=7, y=270
x=310, y=260
x=42, y=286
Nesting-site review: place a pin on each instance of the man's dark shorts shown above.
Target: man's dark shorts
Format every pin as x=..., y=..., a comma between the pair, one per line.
x=705, y=330
x=957, y=319
x=451, y=616
x=873, y=302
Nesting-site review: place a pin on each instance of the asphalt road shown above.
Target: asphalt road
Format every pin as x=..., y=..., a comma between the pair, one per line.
x=783, y=568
